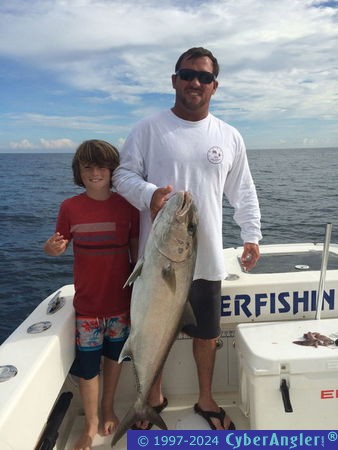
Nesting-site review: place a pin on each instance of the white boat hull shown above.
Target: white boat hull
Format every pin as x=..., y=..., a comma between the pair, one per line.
x=43, y=360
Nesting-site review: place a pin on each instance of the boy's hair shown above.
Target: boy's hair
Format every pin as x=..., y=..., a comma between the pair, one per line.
x=97, y=153
x=198, y=52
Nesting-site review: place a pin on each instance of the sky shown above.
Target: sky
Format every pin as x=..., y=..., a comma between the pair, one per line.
x=72, y=70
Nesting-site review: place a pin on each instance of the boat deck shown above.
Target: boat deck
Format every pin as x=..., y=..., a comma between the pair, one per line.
x=179, y=415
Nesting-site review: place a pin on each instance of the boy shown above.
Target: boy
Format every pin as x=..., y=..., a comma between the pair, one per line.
x=104, y=229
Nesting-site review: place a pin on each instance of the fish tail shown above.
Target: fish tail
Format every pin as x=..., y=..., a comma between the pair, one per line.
x=152, y=416
x=133, y=416
x=130, y=418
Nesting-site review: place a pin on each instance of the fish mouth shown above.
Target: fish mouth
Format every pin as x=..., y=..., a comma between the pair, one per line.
x=186, y=200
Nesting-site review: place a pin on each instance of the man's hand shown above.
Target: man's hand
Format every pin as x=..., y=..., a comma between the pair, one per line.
x=250, y=256
x=160, y=196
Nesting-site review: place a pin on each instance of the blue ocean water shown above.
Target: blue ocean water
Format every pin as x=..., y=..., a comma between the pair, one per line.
x=297, y=189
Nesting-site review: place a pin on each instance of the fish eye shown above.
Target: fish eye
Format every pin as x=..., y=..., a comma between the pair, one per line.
x=191, y=228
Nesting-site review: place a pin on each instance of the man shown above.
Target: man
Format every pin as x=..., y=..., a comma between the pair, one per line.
x=187, y=148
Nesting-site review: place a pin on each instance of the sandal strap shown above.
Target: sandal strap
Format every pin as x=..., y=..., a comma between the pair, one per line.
x=208, y=415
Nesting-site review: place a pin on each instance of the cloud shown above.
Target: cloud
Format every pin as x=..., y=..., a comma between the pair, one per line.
x=24, y=144
x=44, y=144
x=128, y=49
x=57, y=144
x=99, y=124
x=277, y=57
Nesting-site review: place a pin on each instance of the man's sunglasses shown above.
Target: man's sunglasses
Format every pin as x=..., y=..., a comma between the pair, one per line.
x=189, y=75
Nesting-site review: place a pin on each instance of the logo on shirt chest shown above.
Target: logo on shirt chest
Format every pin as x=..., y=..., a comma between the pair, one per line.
x=215, y=155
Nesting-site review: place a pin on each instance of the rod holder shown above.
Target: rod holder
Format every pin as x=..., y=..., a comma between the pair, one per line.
x=325, y=258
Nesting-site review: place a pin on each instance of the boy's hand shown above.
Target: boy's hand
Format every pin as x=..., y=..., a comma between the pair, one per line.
x=55, y=245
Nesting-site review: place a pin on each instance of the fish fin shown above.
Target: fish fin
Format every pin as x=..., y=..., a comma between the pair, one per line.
x=153, y=417
x=188, y=316
x=133, y=417
x=125, y=352
x=135, y=273
x=129, y=419
x=169, y=276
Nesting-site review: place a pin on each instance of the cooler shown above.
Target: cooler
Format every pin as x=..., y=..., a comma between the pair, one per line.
x=285, y=385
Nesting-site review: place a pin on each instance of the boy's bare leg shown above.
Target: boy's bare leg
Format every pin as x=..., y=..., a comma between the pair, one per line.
x=111, y=374
x=89, y=391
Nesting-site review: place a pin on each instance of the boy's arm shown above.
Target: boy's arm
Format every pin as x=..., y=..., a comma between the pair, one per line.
x=55, y=245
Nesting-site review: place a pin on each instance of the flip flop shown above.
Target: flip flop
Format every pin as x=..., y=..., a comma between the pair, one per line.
x=208, y=415
x=158, y=409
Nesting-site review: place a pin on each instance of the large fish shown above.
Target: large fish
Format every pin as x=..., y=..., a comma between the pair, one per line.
x=159, y=306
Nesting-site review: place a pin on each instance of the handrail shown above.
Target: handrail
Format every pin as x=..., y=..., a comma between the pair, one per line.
x=325, y=258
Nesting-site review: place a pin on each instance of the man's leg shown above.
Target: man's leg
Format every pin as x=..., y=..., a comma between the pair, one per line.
x=204, y=351
x=155, y=398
